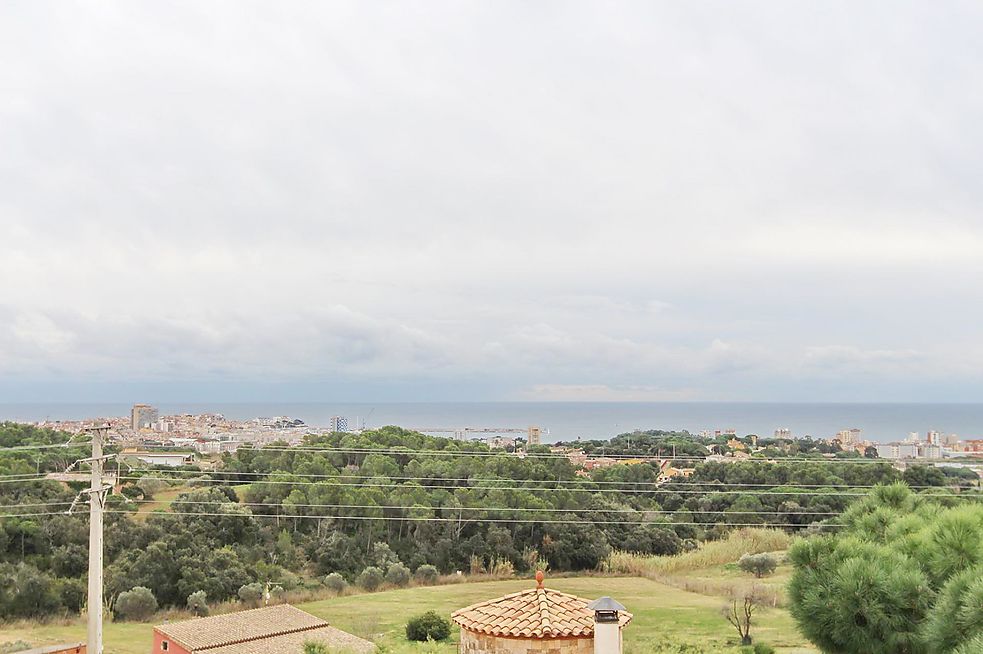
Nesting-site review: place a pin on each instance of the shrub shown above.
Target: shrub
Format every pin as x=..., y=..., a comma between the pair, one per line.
x=336, y=582
x=198, y=604
x=314, y=647
x=251, y=593
x=370, y=579
x=136, y=604
x=761, y=648
x=758, y=564
x=427, y=574
x=429, y=626
x=72, y=592
x=501, y=567
x=398, y=574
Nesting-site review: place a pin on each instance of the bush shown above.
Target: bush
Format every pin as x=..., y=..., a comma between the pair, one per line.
x=758, y=564
x=398, y=574
x=370, y=579
x=427, y=574
x=429, y=626
x=73, y=593
x=336, y=582
x=759, y=648
x=251, y=593
x=136, y=604
x=198, y=603
x=314, y=647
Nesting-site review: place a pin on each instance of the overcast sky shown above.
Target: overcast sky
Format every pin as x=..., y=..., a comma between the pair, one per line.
x=491, y=200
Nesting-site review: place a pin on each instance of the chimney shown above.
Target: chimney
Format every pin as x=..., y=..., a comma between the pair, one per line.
x=607, y=625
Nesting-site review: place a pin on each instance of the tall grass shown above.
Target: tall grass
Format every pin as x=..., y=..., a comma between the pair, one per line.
x=671, y=570
x=729, y=550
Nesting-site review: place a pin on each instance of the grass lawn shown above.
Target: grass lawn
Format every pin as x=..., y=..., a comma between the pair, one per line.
x=661, y=612
x=161, y=501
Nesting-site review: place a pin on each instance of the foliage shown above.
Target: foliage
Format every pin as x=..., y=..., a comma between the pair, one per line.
x=336, y=582
x=429, y=626
x=738, y=543
x=198, y=603
x=905, y=574
x=314, y=647
x=251, y=593
x=398, y=575
x=370, y=579
x=27, y=592
x=426, y=574
x=758, y=564
x=759, y=648
x=137, y=604
x=281, y=532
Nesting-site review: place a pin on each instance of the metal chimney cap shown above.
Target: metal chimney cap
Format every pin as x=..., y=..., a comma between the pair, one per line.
x=606, y=604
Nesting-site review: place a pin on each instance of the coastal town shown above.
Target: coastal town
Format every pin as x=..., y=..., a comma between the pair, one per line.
x=180, y=439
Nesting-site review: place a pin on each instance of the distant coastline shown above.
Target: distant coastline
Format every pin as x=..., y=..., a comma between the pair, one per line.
x=570, y=420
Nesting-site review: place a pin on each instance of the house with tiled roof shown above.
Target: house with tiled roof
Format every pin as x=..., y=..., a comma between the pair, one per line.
x=281, y=629
x=540, y=621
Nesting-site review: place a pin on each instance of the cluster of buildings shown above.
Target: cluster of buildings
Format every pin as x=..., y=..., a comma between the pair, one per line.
x=537, y=620
x=935, y=445
x=146, y=429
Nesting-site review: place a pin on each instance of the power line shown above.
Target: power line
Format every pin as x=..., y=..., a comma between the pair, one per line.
x=628, y=485
x=648, y=458
x=484, y=508
x=514, y=487
x=19, y=448
x=495, y=509
x=431, y=519
x=17, y=506
x=624, y=486
x=835, y=490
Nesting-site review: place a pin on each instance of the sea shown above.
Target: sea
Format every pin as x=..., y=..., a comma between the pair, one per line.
x=569, y=421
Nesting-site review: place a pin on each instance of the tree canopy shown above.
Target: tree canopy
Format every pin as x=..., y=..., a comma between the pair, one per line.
x=904, y=575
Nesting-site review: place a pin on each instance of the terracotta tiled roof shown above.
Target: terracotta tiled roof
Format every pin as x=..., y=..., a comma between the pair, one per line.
x=533, y=613
x=335, y=639
x=231, y=628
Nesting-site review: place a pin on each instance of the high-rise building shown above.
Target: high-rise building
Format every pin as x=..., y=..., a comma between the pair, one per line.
x=783, y=432
x=535, y=436
x=339, y=423
x=934, y=437
x=849, y=437
x=143, y=416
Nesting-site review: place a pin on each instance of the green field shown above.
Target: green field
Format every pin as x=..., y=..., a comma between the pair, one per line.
x=661, y=613
x=162, y=501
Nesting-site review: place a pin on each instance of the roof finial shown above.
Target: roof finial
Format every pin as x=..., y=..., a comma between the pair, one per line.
x=540, y=576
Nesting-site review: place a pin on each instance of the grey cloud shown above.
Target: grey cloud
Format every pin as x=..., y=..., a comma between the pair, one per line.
x=624, y=199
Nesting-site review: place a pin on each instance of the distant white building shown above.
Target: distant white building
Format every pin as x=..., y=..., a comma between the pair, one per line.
x=339, y=423
x=172, y=459
x=909, y=450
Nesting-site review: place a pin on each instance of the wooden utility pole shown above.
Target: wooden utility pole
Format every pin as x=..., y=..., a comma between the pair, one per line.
x=97, y=502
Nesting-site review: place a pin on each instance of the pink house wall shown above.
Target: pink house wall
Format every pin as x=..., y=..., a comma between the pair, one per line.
x=172, y=647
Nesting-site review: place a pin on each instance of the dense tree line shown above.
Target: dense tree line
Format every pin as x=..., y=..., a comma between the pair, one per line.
x=392, y=502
